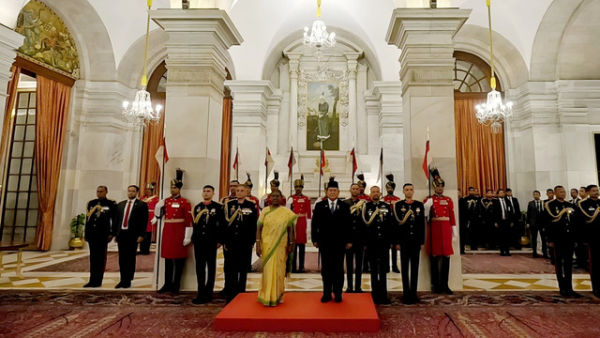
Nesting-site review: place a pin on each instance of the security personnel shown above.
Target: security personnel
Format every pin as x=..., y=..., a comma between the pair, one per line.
x=409, y=224
x=545, y=227
x=486, y=215
x=150, y=235
x=248, y=185
x=300, y=205
x=100, y=223
x=390, y=199
x=354, y=255
x=588, y=211
x=208, y=222
x=376, y=216
x=559, y=217
x=239, y=234
x=232, y=188
x=363, y=186
x=469, y=228
x=266, y=201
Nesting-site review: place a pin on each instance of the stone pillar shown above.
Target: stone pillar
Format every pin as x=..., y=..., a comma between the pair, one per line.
x=10, y=41
x=425, y=37
x=352, y=115
x=390, y=129
x=293, y=65
x=197, y=55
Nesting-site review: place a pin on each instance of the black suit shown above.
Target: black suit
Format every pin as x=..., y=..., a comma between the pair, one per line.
x=534, y=214
x=330, y=230
x=208, y=223
x=99, y=226
x=517, y=229
x=590, y=226
x=354, y=255
x=504, y=219
x=410, y=234
x=127, y=235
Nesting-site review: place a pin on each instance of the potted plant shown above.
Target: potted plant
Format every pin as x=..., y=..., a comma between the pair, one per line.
x=77, y=224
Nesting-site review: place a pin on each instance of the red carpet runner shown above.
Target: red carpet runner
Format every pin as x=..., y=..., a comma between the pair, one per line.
x=301, y=311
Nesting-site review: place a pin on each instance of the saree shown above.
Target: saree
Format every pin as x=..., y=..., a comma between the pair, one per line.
x=275, y=224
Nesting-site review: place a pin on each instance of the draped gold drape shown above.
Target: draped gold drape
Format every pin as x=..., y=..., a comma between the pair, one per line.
x=53, y=99
x=226, y=146
x=153, y=133
x=479, y=153
x=7, y=122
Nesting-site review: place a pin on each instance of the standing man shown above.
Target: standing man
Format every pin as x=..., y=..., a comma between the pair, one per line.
x=206, y=236
x=574, y=196
x=266, y=201
x=581, y=251
x=101, y=219
x=390, y=199
x=561, y=237
x=442, y=232
x=534, y=219
x=517, y=224
x=176, y=233
x=354, y=255
x=409, y=217
x=378, y=233
x=583, y=194
x=545, y=226
x=232, y=189
x=503, y=222
x=131, y=229
x=330, y=235
x=469, y=231
x=150, y=234
x=363, y=186
x=486, y=216
x=300, y=205
x=588, y=210
x=239, y=234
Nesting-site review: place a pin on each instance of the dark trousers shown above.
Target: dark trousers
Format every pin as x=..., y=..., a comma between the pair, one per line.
x=97, y=260
x=127, y=244
x=145, y=245
x=354, y=260
x=594, y=250
x=504, y=236
x=535, y=232
x=563, y=263
x=581, y=254
x=409, y=259
x=464, y=235
x=237, y=258
x=489, y=235
x=473, y=235
x=394, y=258
x=440, y=268
x=379, y=259
x=205, y=253
x=299, y=251
x=332, y=269
x=173, y=272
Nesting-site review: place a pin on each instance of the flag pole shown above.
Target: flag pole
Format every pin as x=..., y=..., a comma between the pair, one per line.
x=320, y=165
x=160, y=222
x=429, y=165
x=291, y=172
x=237, y=157
x=266, y=170
x=381, y=168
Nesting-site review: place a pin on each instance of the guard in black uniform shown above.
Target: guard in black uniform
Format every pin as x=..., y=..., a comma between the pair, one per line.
x=376, y=216
x=238, y=239
x=208, y=223
x=562, y=233
x=409, y=225
x=354, y=255
x=100, y=223
x=469, y=227
x=588, y=211
x=486, y=214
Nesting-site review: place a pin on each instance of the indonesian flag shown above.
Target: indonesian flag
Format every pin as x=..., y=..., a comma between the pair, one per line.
x=269, y=162
x=323, y=161
x=161, y=153
x=426, y=160
x=291, y=163
x=354, y=163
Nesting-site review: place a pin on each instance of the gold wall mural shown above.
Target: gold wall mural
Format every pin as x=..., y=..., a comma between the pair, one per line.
x=47, y=39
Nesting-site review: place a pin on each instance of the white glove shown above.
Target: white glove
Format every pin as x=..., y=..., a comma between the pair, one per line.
x=154, y=220
x=428, y=206
x=454, y=232
x=188, y=236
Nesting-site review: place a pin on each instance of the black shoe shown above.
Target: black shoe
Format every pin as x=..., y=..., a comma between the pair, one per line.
x=126, y=285
x=359, y=290
x=436, y=290
x=349, y=290
x=301, y=270
x=91, y=285
x=574, y=294
x=199, y=300
x=407, y=299
x=536, y=256
x=597, y=294
x=326, y=298
x=395, y=269
x=338, y=298
x=447, y=291
x=166, y=288
x=564, y=293
x=119, y=285
x=385, y=301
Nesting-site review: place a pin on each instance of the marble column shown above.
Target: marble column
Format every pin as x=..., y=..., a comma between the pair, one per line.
x=293, y=68
x=352, y=116
x=425, y=37
x=197, y=55
x=10, y=41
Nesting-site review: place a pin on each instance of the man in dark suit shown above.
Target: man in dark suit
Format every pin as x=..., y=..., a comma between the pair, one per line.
x=130, y=228
x=534, y=211
x=503, y=222
x=545, y=227
x=354, y=255
x=515, y=218
x=330, y=231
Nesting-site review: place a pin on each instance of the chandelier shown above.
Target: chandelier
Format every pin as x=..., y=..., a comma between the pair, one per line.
x=318, y=36
x=140, y=111
x=494, y=111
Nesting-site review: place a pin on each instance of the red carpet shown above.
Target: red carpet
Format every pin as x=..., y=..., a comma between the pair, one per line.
x=301, y=311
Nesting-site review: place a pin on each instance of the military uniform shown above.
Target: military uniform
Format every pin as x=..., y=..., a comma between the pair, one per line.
x=379, y=237
x=100, y=226
x=208, y=223
x=439, y=240
x=300, y=205
x=486, y=215
x=150, y=233
x=545, y=230
x=588, y=211
x=354, y=255
x=239, y=234
x=470, y=231
x=409, y=224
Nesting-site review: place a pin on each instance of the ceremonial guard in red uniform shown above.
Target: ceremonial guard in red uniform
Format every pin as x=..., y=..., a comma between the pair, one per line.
x=150, y=234
x=300, y=205
x=266, y=201
x=248, y=185
x=442, y=230
x=390, y=198
x=363, y=185
x=176, y=233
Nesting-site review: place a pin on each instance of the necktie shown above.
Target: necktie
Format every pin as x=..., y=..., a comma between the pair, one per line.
x=126, y=218
x=332, y=207
x=503, y=209
x=539, y=206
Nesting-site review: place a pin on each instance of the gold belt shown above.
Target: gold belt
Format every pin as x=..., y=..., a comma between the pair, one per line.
x=440, y=219
x=175, y=220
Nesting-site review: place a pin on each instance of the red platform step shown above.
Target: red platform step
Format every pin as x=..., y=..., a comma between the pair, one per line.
x=300, y=312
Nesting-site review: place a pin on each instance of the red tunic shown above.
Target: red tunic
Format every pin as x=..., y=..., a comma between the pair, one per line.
x=439, y=236
x=256, y=202
x=177, y=217
x=151, y=201
x=300, y=205
x=266, y=201
x=364, y=197
x=391, y=199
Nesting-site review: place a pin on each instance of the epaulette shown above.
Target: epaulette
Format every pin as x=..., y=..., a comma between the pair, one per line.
x=248, y=199
x=219, y=203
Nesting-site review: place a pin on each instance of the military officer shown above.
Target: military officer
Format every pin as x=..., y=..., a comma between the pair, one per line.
x=100, y=223
x=469, y=228
x=232, y=188
x=354, y=255
x=300, y=205
x=588, y=210
x=409, y=224
x=486, y=214
x=150, y=234
x=376, y=216
x=390, y=199
x=545, y=226
x=248, y=185
x=363, y=186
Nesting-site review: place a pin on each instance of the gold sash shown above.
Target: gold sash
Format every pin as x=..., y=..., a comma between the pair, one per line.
x=197, y=218
x=405, y=218
x=98, y=207
x=356, y=207
x=556, y=218
x=372, y=216
x=591, y=218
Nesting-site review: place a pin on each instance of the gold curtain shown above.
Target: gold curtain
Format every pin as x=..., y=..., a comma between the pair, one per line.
x=7, y=122
x=479, y=152
x=153, y=133
x=226, y=146
x=53, y=99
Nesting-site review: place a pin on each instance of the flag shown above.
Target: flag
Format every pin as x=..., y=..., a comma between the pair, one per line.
x=161, y=153
x=291, y=163
x=354, y=164
x=236, y=162
x=379, y=176
x=269, y=162
x=426, y=160
x=323, y=161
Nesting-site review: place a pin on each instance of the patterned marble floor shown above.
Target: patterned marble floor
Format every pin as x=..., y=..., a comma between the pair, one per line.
x=33, y=260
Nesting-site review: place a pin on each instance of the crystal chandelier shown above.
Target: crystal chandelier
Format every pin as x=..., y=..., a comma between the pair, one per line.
x=140, y=111
x=494, y=111
x=318, y=36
